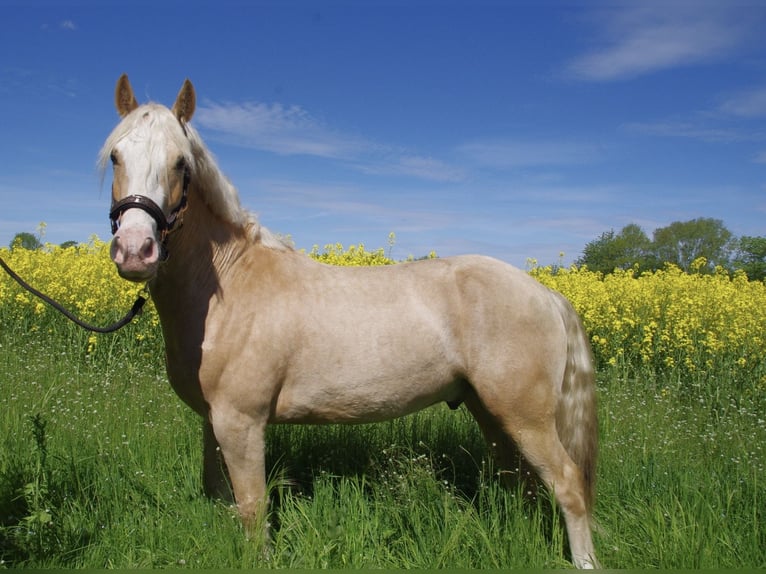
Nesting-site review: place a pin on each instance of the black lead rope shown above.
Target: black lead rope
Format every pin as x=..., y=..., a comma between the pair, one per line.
x=135, y=310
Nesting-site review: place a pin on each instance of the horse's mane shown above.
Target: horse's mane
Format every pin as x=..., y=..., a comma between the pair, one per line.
x=220, y=195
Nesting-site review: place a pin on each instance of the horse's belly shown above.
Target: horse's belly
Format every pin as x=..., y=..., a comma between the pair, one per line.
x=362, y=401
x=373, y=365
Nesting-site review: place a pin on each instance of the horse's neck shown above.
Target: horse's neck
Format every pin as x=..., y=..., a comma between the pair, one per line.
x=198, y=254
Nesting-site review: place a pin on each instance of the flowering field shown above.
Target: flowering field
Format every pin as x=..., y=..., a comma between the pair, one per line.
x=689, y=325
x=99, y=461
x=693, y=327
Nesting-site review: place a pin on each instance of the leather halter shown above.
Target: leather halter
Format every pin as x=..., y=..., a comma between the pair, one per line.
x=164, y=225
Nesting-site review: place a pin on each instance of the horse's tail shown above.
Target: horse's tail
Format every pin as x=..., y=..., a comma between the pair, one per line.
x=576, y=416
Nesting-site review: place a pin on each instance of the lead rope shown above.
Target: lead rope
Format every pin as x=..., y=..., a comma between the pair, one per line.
x=135, y=310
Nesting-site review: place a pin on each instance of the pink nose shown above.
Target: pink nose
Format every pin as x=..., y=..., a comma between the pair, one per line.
x=135, y=254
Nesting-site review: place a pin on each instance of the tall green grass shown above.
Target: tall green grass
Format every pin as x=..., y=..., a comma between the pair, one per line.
x=100, y=468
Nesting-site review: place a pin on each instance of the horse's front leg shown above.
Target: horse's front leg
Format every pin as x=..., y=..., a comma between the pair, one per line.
x=242, y=440
x=215, y=482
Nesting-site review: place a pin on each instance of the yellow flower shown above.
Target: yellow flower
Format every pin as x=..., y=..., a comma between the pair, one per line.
x=92, y=342
x=662, y=320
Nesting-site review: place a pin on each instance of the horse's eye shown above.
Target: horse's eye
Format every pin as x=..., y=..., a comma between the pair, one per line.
x=181, y=164
x=113, y=157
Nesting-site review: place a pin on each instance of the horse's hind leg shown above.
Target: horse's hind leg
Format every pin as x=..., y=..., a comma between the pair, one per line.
x=512, y=468
x=544, y=451
x=537, y=439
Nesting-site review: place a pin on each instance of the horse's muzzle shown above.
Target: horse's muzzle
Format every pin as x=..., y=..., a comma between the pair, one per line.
x=136, y=253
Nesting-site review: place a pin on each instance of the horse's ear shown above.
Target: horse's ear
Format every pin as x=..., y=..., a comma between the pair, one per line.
x=123, y=97
x=186, y=102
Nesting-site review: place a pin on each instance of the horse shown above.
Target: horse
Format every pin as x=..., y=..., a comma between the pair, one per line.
x=257, y=333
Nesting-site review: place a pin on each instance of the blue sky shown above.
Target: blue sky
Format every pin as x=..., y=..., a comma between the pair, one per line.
x=514, y=129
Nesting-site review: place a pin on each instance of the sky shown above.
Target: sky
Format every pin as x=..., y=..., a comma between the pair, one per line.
x=513, y=129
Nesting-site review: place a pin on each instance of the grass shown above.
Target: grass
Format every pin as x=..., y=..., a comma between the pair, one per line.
x=100, y=468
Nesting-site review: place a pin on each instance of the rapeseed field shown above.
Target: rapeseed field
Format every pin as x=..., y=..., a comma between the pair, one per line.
x=667, y=321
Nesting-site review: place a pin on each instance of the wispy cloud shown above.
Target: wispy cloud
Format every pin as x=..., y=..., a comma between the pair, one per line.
x=67, y=25
x=358, y=207
x=697, y=130
x=715, y=125
x=747, y=104
x=690, y=130
x=420, y=167
x=511, y=154
x=633, y=39
x=292, y=130
x=285, y=130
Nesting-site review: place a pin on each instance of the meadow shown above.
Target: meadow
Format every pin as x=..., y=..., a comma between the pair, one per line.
x=100, y=462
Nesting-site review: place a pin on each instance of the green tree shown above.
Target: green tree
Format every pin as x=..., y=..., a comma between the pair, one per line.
x=682, y=242
x=621, y=250
x=26, y=240
x=751, y=257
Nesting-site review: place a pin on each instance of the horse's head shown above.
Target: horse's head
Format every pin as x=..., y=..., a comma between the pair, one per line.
x=152, y=161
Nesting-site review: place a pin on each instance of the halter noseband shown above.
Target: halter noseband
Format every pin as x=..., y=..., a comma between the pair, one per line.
x=164, y=225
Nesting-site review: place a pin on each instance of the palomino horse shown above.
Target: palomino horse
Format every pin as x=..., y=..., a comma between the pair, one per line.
x=257, y=333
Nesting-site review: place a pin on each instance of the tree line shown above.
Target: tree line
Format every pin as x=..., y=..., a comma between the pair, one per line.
x=680, y=243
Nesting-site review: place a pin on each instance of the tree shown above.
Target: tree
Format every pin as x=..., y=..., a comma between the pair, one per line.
x=682, y=242
x=621, y=250
x=26, y=241
x=751, y=257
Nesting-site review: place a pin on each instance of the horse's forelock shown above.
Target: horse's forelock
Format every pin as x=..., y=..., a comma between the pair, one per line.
x=148, y=117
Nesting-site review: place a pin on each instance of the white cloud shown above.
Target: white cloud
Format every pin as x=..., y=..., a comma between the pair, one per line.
x=67, y=25
x=291, y=130
x=646, y=37
x=360, y=207
x=690, y=130
x=285, y=130
x=748, y=104
x=695, y=130
x=425, y=168
x=511, y=154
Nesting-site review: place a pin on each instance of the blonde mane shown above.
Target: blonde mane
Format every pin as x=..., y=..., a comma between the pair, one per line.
x=218, y=192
